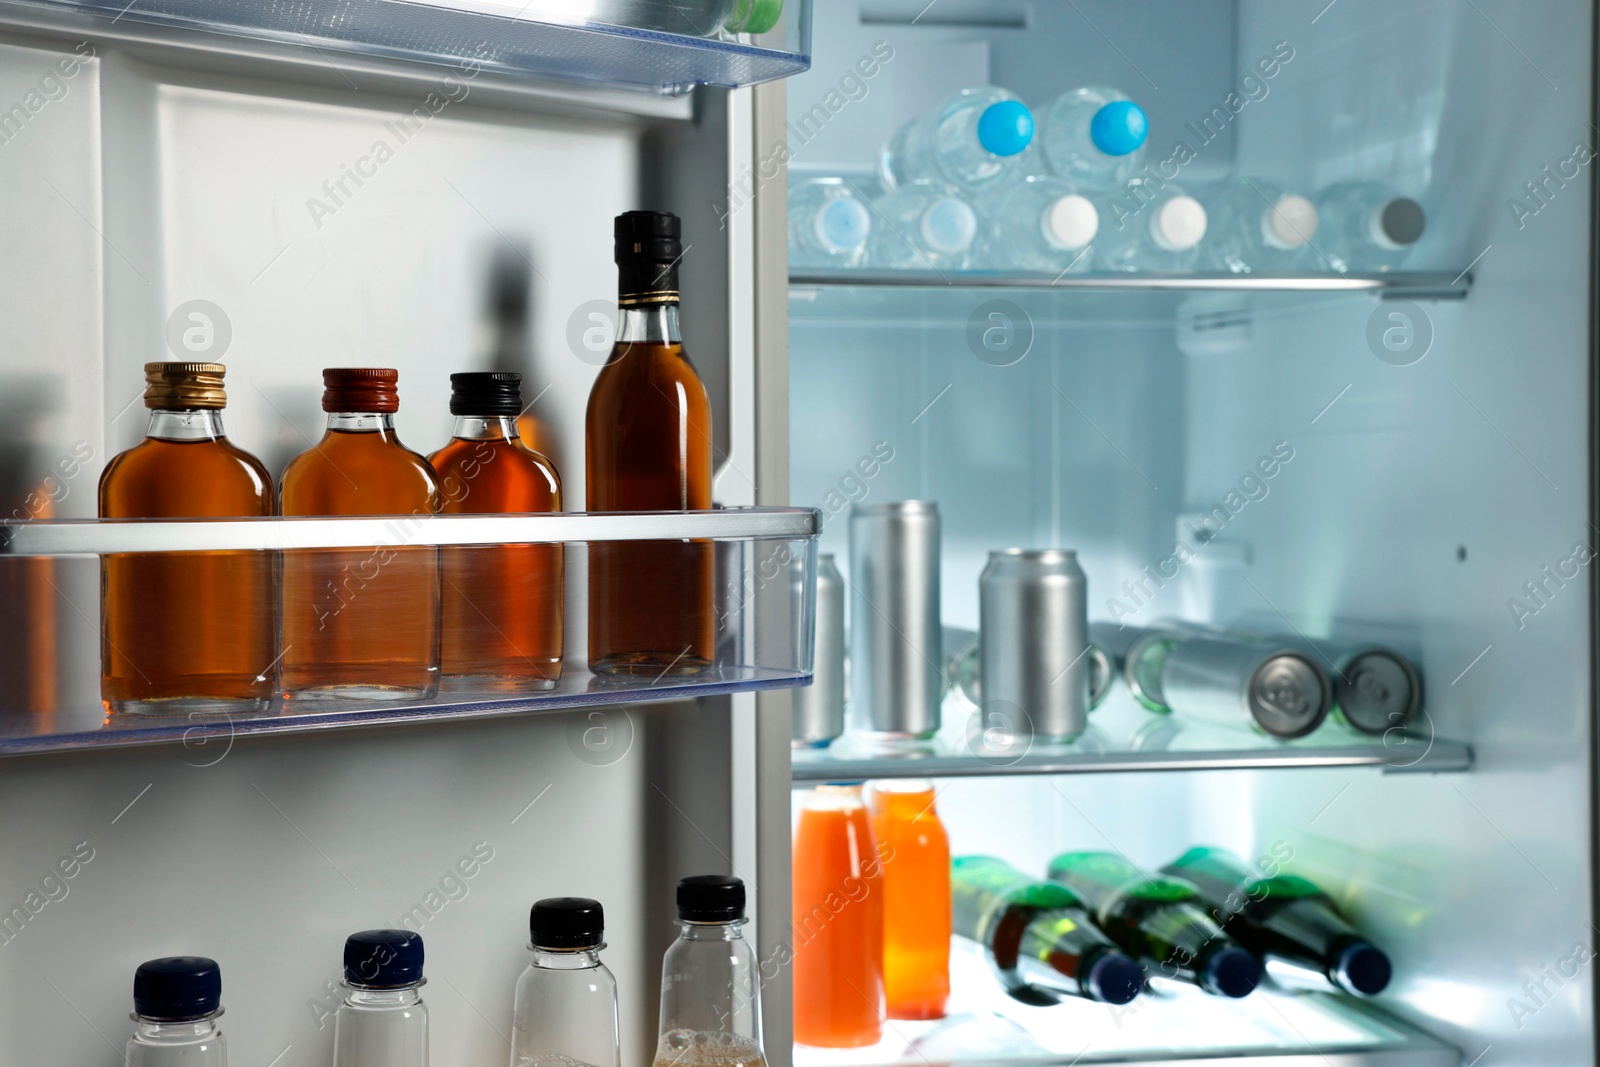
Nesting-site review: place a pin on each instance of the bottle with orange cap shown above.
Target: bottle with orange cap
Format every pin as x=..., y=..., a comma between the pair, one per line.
x=361, y=623
x=186, y=632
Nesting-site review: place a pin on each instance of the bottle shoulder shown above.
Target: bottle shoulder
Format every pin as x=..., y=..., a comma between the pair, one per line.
x=184, y=479
x=495, y=476
x=359, y=473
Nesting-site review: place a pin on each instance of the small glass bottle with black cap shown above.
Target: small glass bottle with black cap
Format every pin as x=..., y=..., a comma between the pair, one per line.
x=500, y=605
x=176, y=1002
x=565, y=1012
x=383, y=1021
x=710, y=981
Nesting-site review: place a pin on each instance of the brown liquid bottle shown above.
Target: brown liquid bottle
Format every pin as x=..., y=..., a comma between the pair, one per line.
x=361, y=623
x=500, y=606
x=186, y=632
x=648, y=448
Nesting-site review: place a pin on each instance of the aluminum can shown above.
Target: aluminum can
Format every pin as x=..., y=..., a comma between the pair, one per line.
x=818, y=709
x=1279, y=690
x=896, y=648
x=1034, y=635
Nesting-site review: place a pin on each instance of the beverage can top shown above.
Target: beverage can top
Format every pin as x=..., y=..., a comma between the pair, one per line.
x=1378, y=690
x=1288, y=696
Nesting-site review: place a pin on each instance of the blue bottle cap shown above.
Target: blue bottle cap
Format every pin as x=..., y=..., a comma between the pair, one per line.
x=1231, y=972
x=177, y=988
x=383, y=959
x=1363, y=969
x=1005, y=128
x=1119, y=128
x=1114, y=979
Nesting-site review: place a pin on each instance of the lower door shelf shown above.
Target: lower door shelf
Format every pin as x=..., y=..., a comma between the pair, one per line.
x=1171, y=1024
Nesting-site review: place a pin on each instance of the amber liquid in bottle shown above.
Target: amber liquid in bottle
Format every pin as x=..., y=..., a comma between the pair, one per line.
x=648, y=436
x=186, y=632
x=500, y=608
x=361, y=623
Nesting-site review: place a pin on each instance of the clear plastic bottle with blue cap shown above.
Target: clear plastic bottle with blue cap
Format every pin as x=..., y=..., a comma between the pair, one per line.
x=565, y=1010
x=829, y=224
x=1367, y=225
x=1093, y=137
x=976, y=139
x=922, y=226
x=1038, y=224
x=176, y=1002
x=1150, y=226
x=1258, y=225
x=383, y=1021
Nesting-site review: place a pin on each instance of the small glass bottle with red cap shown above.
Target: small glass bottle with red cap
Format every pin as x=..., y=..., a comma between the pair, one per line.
x=361, y=623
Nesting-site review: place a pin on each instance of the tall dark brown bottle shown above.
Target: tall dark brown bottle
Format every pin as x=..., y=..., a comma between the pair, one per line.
x=186, y=632
x=648, y=438
x=361, y=623
x=500, y=612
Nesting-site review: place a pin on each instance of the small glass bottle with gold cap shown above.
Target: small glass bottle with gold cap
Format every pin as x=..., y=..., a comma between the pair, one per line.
x=186, y=632
x=361, y=623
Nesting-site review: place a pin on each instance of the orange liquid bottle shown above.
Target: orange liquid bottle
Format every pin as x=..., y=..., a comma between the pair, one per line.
x=838, y=922
x=916, y=898
x=186, y=632
x=361, y=623
x=647, y=438
x=500, y=605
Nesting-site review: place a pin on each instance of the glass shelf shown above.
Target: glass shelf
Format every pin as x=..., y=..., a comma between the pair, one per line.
x=1413, y=285
x=598, y=41
x=754, y=618
x=1173, y=1024
x=1124, y=738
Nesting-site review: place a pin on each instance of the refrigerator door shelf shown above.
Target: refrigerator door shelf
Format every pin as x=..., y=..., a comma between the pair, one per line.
x=652, y=45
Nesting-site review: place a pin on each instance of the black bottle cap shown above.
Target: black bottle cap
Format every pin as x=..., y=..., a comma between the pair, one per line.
x=177, y=988
x=486, y=393
x=1114, y=979
x=1363, y=969
x=567, y=922
x=711, y=898
x=649, y=246
x=383, y=959
x=1231, y=972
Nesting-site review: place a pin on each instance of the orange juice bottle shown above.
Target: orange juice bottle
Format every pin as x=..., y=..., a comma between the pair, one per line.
x=916, y=898
x=838, y=922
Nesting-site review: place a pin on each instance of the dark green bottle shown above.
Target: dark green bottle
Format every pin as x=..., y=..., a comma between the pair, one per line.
x=1037, y=935
x=1286, y=921
x=1159, y=921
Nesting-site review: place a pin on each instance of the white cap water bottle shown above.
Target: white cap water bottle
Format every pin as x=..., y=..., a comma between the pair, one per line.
x=973, y=141
x=1093, y=137
x=1037, y=224
x=829, y=224
x=1150, y=225
x=1257, y=225
x=926, y=226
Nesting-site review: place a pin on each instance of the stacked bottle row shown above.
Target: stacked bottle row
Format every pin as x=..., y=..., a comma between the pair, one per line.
x=976, y=185
x=877, y=897
x=564, y=1008
x=206, y=632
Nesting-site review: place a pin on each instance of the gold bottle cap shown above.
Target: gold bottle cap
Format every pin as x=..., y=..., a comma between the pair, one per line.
x=184, y=386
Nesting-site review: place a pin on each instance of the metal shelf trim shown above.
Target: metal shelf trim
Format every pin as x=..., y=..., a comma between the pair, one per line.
x=1437, y=285
x=91, y=537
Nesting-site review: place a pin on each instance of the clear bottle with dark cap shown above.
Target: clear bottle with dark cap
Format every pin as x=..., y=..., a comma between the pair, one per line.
x=383, y=1021
x=1289, y=923
x=176, y=1002
x=710, y=984
x=500, y=605
x=565, y=1011
x=647, y=436
x=186, y=632
x=1161, y=922
x=361, y=623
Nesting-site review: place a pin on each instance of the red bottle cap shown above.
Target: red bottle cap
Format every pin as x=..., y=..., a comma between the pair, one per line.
x=372, y=389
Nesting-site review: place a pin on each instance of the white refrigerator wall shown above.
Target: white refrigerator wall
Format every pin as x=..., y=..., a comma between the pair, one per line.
x=145, y=179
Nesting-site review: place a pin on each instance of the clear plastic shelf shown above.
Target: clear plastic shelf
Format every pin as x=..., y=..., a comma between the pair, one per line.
x=202, y=589
x=666, y=46
x=1413, y=285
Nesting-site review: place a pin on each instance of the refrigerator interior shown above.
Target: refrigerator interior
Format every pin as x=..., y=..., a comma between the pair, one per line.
x=166, y=170
x=1420, y=493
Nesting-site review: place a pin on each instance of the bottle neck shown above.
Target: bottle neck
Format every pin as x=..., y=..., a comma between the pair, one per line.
x=361, y=421
x=486, y=428
x=580, y=959
x=408, y=996
x=193, y=424
x=175, y=1032
x=730, y=931
x=653, y=324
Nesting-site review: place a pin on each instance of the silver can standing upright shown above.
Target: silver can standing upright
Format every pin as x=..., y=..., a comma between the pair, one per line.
x=818, y=710
x=896, y=648
x=1034, y=629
